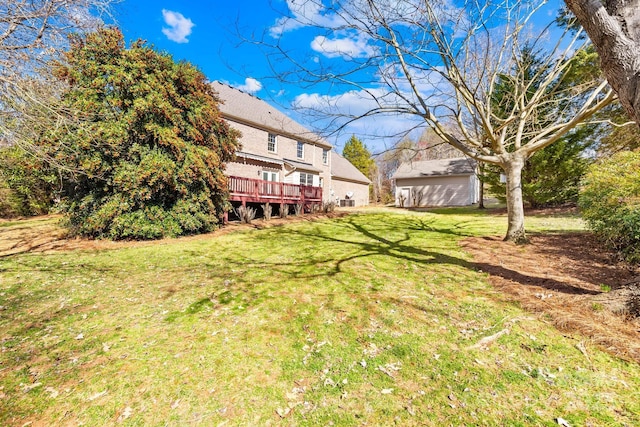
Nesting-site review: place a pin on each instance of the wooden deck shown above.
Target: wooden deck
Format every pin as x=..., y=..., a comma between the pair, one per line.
x=248, y=190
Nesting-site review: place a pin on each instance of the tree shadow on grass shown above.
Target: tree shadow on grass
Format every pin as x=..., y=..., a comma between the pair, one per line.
x=420, y=241
x=371, y=239
x=531, y=280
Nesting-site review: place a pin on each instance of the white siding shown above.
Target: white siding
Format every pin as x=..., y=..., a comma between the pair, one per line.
x=438, y=191
x=360, y=191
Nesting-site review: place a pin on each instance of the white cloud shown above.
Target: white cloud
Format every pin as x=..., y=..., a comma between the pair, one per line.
x=346, y=47
x=283, y=25
x=304, y=13
x=335, y=15
x=180, y=27
x=382, y=113
x=380, y=130
x=250, y=85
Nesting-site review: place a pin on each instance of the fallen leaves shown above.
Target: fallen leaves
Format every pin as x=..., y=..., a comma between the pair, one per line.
x=295, y=394
x=390, y=369
x=53, y=393
x=283, y=413
x=454, y=400
x=126, y=413
x=294, y=399
x=372, y=350
x=312, y=349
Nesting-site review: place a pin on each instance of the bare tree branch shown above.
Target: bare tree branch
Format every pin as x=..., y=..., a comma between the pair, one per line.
x=32, y=34
x=434, y=63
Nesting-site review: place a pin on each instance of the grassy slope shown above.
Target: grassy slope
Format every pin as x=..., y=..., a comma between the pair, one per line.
x=367, y=319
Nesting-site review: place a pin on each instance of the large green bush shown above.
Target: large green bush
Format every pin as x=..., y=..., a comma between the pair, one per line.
x=147, y=157
x=610, y=202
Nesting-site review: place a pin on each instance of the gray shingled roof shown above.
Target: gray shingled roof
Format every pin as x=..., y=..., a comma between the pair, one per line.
x=245, y=108
x=342, y=168
x=444, y=167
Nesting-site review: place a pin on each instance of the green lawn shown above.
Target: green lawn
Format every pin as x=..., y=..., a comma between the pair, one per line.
x=369, y=319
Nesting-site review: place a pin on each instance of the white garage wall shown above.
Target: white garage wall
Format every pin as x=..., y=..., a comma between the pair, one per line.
x=438, y=191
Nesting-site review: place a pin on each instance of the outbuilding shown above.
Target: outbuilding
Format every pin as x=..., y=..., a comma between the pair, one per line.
x=445, y=182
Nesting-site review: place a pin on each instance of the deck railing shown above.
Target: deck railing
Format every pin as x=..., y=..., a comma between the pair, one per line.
x=260, y=191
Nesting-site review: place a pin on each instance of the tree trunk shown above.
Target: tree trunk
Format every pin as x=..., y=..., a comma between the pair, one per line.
x=614, y=28
x=515, y=207
x=481, y=183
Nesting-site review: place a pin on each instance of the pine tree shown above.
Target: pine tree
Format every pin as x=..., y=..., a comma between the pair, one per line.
x=357, y=153
x=550, y=176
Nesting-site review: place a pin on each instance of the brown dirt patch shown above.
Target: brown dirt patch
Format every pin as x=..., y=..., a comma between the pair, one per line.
x=562, y=277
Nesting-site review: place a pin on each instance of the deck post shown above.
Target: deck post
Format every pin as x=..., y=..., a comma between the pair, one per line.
x=281, y=185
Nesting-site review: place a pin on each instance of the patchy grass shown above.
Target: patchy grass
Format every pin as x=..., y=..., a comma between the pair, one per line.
x=370, y=319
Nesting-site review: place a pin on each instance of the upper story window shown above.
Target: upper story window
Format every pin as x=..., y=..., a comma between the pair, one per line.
x=272, y=143
x=325, y=157
x=300, y=151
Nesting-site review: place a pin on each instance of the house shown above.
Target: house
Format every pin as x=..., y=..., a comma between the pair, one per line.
x=280, y=160
x=349, y=186
x=445, y=182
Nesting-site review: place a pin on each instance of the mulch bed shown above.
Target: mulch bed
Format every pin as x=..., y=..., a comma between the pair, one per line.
x=567, y=278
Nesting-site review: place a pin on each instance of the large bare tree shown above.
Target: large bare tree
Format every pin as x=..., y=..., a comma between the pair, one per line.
x=441, y=62
x=33, y=33
x=614, y=29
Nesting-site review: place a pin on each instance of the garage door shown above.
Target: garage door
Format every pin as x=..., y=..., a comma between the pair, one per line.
x=446, y=191
x=437, y=191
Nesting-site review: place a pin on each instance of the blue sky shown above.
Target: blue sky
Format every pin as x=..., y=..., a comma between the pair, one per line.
x=208, y=34
x=204, y=33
